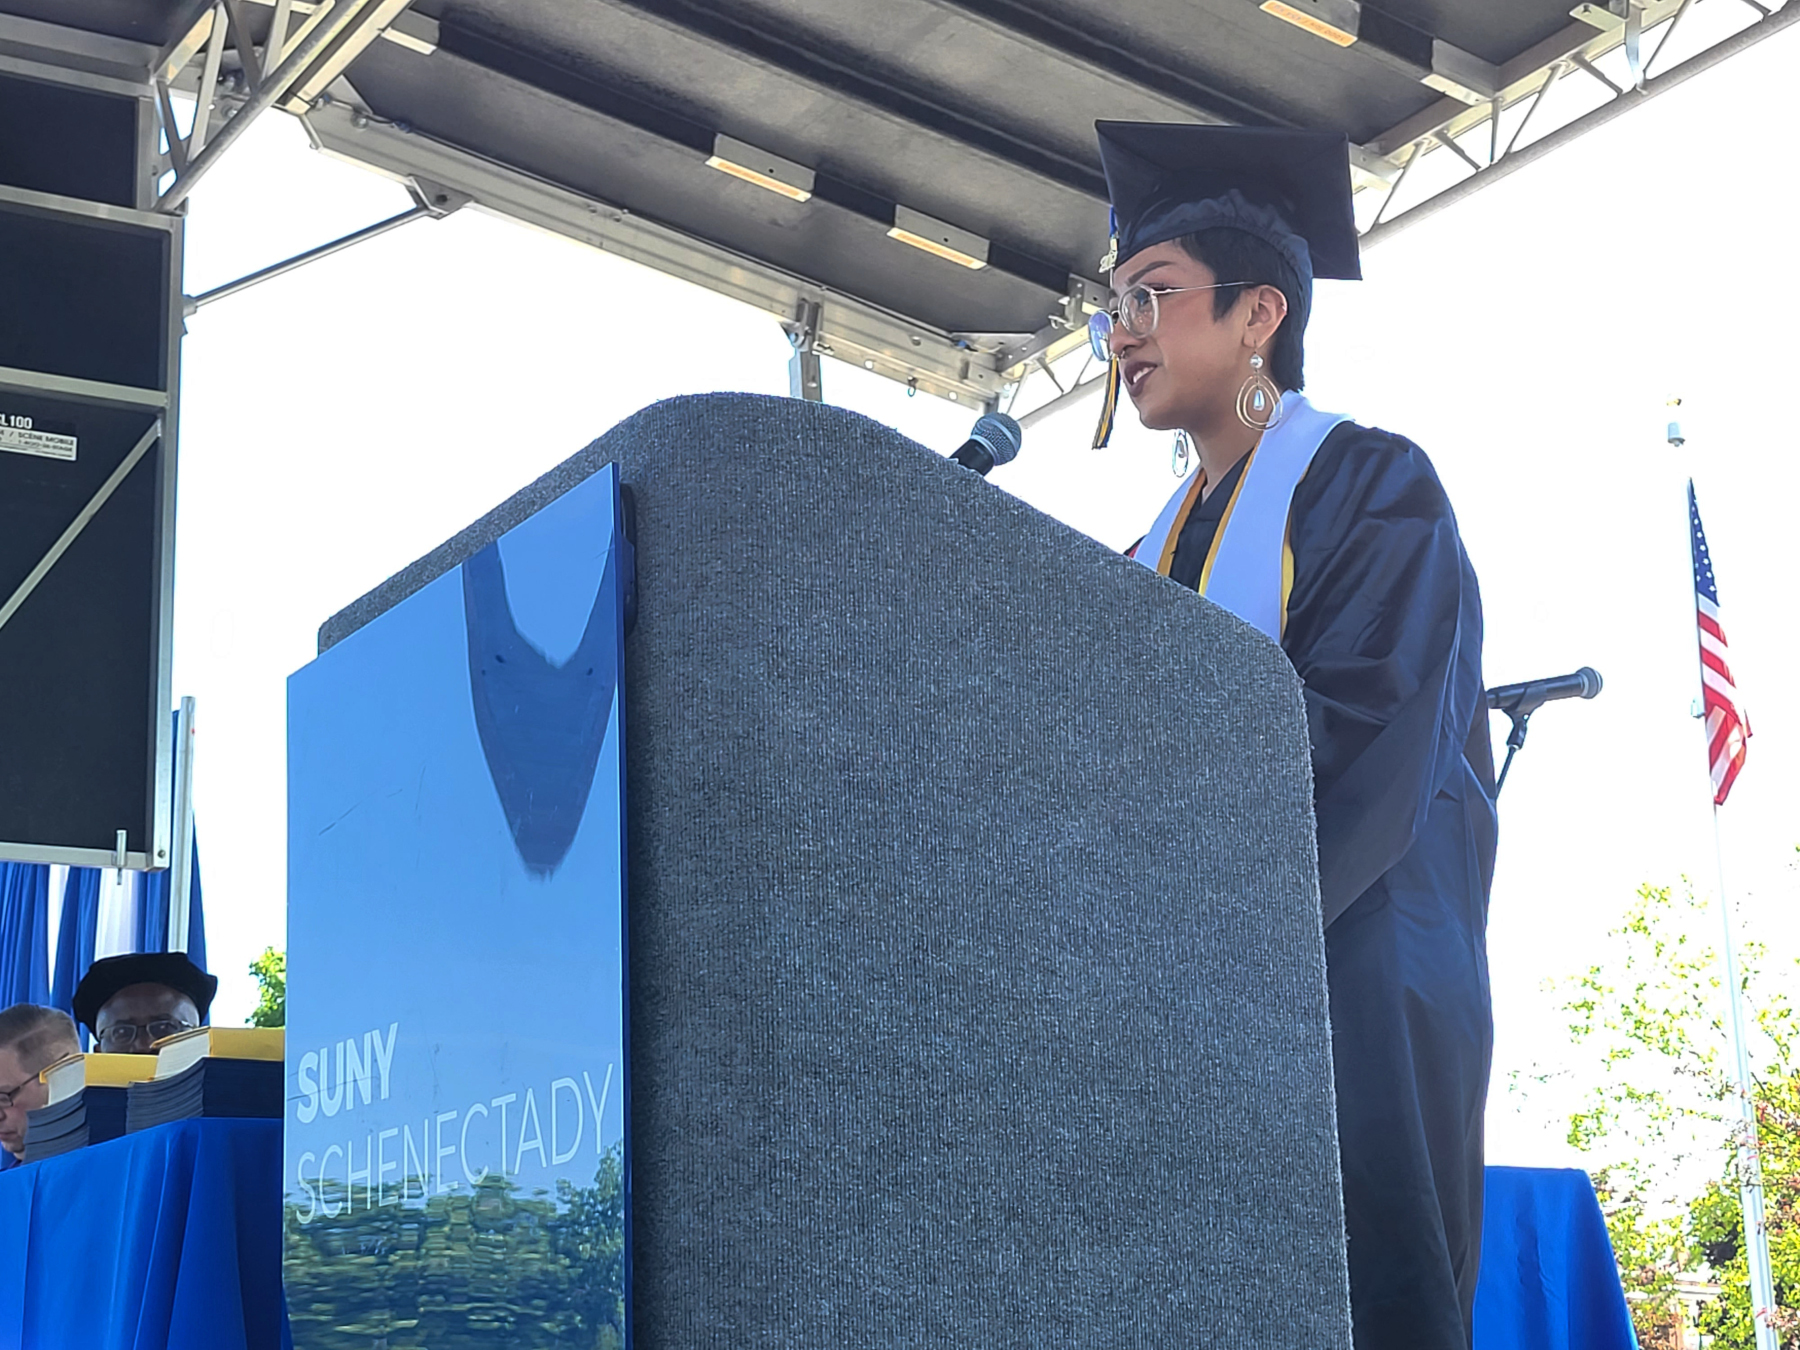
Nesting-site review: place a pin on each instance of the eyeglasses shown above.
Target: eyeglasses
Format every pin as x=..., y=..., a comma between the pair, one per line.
x=1137, y=313
x=121, y=1036
x=6, y=1098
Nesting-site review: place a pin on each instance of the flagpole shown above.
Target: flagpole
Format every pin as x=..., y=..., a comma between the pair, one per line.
x=1750, y=1187
x=1749, y=1153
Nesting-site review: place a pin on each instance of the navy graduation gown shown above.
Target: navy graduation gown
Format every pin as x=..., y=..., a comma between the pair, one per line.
x=1384, y=626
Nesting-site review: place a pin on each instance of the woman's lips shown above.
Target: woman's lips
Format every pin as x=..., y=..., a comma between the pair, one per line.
x=1136, y=372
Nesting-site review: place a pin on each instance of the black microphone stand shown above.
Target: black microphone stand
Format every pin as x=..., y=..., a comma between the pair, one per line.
x=1515, y=741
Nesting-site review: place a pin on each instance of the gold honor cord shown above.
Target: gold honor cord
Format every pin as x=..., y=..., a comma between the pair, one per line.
x=1109, y=405
x=1287, y=575
x=1212, y=552
x=1166, y=563
x=1287, y=560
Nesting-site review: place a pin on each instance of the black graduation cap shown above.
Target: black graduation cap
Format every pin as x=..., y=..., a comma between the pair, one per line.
x=1290, y=189
x=108, y=976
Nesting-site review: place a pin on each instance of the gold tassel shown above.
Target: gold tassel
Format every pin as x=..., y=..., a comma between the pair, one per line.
x=1109, y=406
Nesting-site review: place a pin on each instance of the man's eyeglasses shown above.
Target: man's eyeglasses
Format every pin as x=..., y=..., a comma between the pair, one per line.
x=6, y=1097
x=1137, y=313
x=121, y=1036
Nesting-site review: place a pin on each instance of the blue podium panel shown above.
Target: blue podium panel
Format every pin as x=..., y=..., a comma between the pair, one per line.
x=455, y=1170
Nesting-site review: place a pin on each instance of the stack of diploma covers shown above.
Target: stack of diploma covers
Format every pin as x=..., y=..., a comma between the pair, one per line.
x=210, y=1071
x=87, y=1102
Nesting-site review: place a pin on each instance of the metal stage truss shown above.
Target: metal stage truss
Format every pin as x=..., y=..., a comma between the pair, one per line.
x=912, y=185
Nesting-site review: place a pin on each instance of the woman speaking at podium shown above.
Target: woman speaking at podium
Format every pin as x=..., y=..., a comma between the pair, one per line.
x=1337, y=541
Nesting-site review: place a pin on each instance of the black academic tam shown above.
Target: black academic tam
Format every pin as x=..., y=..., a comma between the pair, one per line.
x=1291, y=189
x=108, y=976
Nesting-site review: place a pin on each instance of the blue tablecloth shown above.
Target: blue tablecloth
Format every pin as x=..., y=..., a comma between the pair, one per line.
x=166, y=1238
x=1548, y=1280
x=170, y=1239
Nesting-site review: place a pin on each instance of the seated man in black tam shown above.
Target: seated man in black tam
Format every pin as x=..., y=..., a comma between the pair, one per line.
x=131, y=1002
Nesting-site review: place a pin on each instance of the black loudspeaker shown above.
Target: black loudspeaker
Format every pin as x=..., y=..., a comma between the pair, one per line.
x=90, y=316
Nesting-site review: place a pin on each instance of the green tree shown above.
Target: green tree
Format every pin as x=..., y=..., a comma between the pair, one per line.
x=1716, y=1222
x=1660, y=1095
x=1650, y=1253
x=270, y=971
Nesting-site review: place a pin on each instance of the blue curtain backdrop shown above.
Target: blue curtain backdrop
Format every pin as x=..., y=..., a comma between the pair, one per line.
x=75, y=938
x=31, y=973
x=24, y=933
x=153, y=912
x=81, y=918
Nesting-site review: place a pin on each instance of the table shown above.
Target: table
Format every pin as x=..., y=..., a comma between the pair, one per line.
x=168, y=1239
x=1548, y=1280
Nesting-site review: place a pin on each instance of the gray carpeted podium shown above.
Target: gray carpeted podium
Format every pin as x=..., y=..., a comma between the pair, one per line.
x=977, y=983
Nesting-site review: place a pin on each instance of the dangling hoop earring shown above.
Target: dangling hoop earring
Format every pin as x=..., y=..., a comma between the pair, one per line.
x=1180, y=453
x=1258, y=400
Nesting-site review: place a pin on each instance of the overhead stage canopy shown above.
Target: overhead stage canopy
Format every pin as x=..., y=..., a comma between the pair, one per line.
x=911, y=185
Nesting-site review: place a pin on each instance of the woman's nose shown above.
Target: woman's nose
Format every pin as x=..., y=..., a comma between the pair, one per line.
x=1118, y=341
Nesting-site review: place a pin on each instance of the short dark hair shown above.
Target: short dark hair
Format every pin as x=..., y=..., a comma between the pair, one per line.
x=34, y=1033
x=1233, y=255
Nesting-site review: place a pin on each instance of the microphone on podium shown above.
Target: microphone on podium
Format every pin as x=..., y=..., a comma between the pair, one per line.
x=995, y=439
x=1524, y=699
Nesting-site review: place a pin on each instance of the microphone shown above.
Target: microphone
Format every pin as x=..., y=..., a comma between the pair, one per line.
x=1523, y=699
x=994, y=440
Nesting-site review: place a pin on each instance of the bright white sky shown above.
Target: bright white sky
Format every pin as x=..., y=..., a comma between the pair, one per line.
x=339, y=422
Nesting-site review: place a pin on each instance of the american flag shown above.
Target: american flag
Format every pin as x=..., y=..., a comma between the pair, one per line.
x=1727, y=729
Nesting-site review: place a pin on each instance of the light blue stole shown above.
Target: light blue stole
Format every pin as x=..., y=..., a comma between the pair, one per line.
x=1246, y=570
